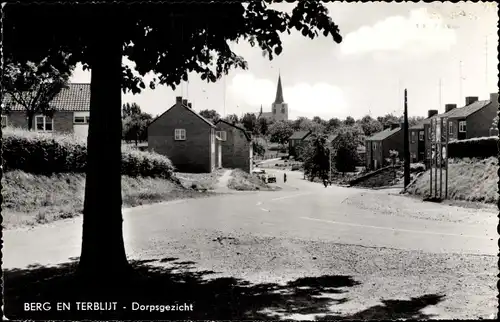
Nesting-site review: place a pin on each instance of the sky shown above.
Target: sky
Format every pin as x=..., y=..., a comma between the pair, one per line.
x=439, y=52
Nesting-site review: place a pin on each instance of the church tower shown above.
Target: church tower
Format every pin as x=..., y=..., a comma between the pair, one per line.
x=279, y=107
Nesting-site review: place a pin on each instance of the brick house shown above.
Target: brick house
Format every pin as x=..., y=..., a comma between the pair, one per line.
x=470, y=121
x=418, y=138
x=295, y=139
x=378, y=145
x=236, y=146
x=186, y=138
x=72, y=112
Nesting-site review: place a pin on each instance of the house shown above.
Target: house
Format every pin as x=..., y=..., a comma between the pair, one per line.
x=236, y=146
x=472, y=120
x=295, y=139
x=378, y=145
x=186, y=138
x=419, y=141
x=72, y=112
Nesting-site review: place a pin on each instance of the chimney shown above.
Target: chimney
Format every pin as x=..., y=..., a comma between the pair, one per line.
x=190, y=105
x=185, y=102
x=470, y=99
x=449, y=107
x=178, y=100
x=494, y=98
x=431, y=113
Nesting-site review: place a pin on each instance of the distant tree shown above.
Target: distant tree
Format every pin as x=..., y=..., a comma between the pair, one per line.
x=319, y=120
x=249, y=121
x=279, y=132
x=317, y=157
x=413, y=120
x=333, y=124
x=388, y=119
x=349, y=121
x=232, y=118
x=345, y=148
x=305, y=124
x=298, y=123
x=258, y=148
x=135, y=123
x=34, y=85
x=370, y=126
x=210, y=115
x=263, y=126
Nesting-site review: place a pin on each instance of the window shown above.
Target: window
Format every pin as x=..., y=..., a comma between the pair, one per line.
x=180, y=134
x=421, y=135
x=374, y=145
x=429, y=133
x=412, y=137
x=450, y=128
x=44, y=123
x=462, y=126
x=222, y=135
x=81, y=119
x=283, y=110
x=274, y=111
x=4, y=120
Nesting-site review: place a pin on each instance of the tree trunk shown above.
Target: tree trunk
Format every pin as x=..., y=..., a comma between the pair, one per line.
x=103, y=258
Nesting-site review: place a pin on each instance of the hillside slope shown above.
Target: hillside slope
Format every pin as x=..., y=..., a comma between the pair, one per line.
x=468, y=180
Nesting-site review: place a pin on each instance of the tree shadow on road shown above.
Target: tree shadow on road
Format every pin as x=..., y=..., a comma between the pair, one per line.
x=169, y=281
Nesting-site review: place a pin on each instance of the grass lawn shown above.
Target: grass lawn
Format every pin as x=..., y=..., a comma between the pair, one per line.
x=469, y=180
x=200, y=181
x=35, y=199
x=243, y=181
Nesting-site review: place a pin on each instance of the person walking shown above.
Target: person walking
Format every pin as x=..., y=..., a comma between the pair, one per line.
x=284, y=177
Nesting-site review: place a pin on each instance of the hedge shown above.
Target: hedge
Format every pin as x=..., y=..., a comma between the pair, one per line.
x=44, y=153
x=484, y=147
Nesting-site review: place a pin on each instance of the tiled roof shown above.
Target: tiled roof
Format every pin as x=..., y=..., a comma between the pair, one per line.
x=74, y=98
x=383, y=134
x=299, y=135
x=247, y=135
x=467, y=110
x=460, y=112
x=187, y=108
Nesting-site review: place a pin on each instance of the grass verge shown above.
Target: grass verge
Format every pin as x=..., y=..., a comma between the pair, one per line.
x=200, y=181
x=243, y=181
x=470, y=180
x=30, y=199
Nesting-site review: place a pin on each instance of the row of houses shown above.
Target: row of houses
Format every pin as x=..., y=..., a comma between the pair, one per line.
x=473, y=120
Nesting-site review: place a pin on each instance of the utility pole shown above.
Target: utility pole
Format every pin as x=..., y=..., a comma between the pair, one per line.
x=406, y=143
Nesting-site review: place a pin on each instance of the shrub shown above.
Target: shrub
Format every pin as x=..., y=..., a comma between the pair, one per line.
x=44, y=153
x=484, y=147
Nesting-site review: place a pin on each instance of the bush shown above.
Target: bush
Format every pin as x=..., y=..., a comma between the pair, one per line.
x=43, y=153
x=484, y=147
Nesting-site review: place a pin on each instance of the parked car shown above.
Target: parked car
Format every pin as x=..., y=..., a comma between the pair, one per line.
x=271, y=178
x=261, y=173
x=295, y=167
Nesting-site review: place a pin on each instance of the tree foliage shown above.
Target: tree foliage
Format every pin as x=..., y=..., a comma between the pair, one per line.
x=263, y=126
x=34, y=85
x=349, y=121
x=258, y=148
x=345, y=148
x=135, y=123
x=168, y=40
x=210, y=115
x=279, y=132
x=316, y=156
x=370, y=126
x=232, y=118
x=249, y=121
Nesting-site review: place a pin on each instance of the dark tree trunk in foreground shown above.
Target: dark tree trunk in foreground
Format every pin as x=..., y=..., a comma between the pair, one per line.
x=103, y=258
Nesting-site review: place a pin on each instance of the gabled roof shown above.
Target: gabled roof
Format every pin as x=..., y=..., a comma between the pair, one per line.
x=74, y=98
x=299, y=135
x=247, y=135
x=187, y=108
x=383, y=134
x=467, y=110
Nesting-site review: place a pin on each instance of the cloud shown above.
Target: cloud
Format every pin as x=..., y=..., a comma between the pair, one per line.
x=303, y=99
x=422, y=32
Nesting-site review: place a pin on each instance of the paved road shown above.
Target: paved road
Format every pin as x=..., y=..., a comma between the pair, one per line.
x=291, y=226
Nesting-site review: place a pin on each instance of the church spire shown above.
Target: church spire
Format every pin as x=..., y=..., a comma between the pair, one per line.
x=279, y=92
